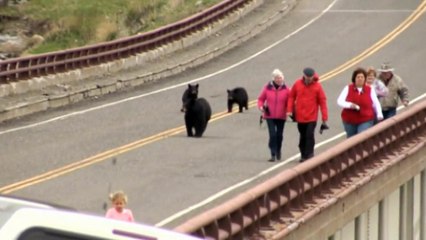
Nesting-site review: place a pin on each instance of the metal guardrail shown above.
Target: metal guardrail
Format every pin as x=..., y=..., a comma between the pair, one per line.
x=275, y=208
x=62, y=61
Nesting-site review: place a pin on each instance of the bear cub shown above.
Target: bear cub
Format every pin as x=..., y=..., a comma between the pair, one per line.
x=197, y=112
x=239, y=96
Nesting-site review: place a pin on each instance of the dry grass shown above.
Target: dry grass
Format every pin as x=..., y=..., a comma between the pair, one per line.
x=74, y=23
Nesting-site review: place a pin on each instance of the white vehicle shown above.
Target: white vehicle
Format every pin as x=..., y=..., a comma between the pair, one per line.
x=27, y=220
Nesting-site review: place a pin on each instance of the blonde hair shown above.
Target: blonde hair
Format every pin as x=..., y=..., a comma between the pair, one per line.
x=118, y=195
x=277, y=73
x=371, y=70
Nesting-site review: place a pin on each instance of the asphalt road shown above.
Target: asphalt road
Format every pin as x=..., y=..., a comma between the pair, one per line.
x=162, y=170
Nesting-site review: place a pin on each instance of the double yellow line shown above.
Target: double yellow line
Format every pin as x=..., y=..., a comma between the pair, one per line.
x=378, y=45
x=171, y=132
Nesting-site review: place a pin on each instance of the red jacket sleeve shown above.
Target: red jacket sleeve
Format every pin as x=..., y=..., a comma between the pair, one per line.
x=291, y=98
x=322, y=100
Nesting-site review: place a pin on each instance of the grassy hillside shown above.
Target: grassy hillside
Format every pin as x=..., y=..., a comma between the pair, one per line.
x=72, y=23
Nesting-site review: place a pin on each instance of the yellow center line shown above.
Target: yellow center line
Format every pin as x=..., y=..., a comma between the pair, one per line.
x=378, y=45
x=174, y=131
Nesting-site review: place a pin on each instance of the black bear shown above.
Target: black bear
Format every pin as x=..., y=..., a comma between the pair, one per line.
x=197, y=112
x=237, y=95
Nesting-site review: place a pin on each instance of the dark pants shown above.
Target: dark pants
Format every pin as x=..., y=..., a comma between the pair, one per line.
x=276, y=129
x=388, y=113
x=307, y=139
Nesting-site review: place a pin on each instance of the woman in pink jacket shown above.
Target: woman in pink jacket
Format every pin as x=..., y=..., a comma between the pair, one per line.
x=272, y=101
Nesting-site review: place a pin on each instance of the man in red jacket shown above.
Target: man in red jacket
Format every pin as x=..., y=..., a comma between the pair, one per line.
x=306, y=97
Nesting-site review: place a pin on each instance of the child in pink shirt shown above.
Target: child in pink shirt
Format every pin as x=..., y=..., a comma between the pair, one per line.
x=119, y=201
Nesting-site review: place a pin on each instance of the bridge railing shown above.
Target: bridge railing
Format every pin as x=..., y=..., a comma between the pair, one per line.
x=281, y=204
x=62, y=61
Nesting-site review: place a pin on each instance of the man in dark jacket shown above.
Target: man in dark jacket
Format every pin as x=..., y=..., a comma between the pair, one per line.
x=306, y=97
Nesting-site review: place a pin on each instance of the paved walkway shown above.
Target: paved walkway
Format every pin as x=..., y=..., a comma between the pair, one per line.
x=60, y=95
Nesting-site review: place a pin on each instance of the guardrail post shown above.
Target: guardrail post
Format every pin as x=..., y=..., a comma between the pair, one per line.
x=212, y=231
x=406, y=210
x=285, y=197
x=251, y=211
x=402, y=211
x=410, y=209
x=224, y=225
x=237, y=218
x=358, y=228
x=362, y=226
x=382, y=221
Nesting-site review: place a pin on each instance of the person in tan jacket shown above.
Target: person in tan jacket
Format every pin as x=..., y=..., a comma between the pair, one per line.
x=397, y=89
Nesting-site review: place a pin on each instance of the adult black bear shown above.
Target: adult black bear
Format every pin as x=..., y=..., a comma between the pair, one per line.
x=237, y=95
x=197, y=112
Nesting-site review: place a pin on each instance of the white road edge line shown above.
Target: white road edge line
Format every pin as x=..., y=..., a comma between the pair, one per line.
x=365, y=11
x=249, y=180
x=229, y=189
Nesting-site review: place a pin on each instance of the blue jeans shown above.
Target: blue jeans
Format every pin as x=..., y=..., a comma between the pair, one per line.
x=276, y=129
x=388, y=113
x=353, y=129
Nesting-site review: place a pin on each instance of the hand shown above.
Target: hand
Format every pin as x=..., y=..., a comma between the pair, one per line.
x=266, y=110
x=405, y=103
x=354, y=106
x=323, y=127
x=291, y=116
